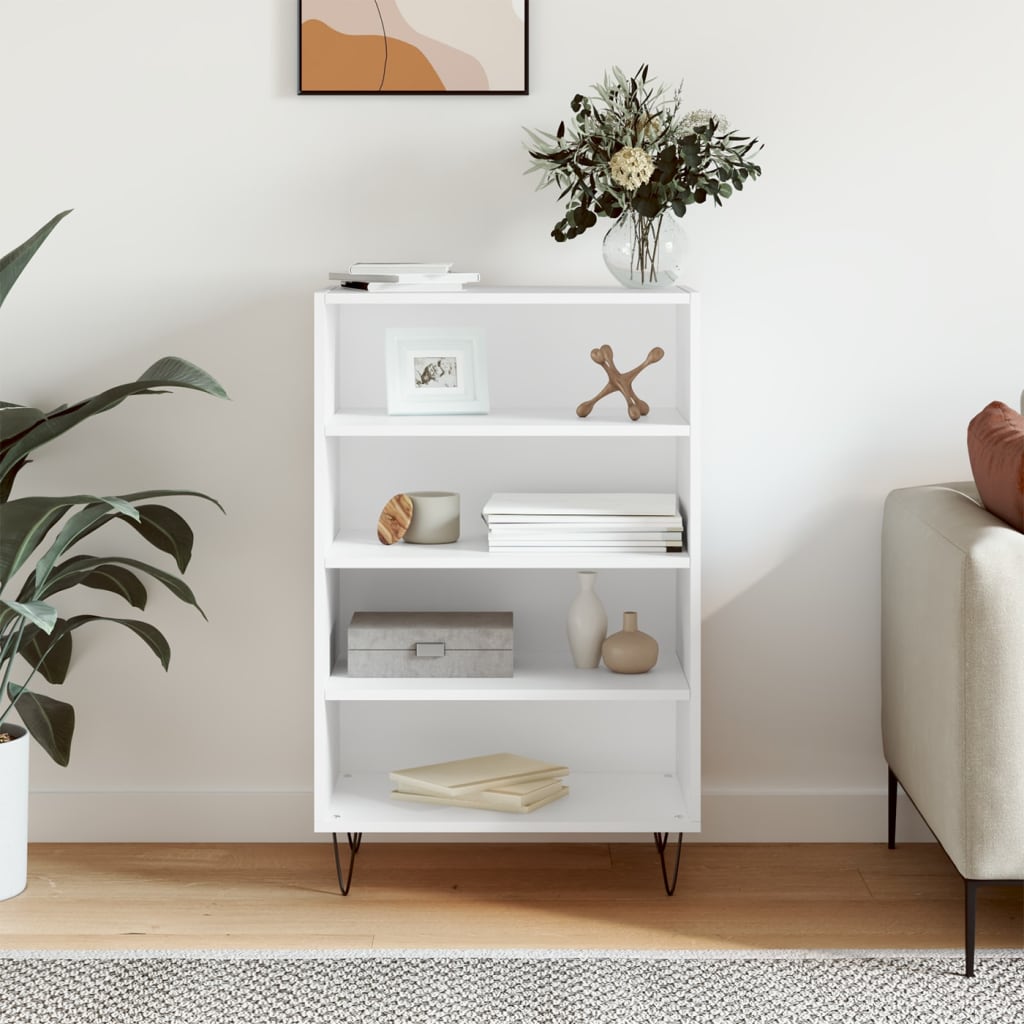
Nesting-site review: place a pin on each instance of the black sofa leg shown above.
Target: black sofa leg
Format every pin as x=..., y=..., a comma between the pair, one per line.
x=892, y=809
x=970, y=904
x=971, y=885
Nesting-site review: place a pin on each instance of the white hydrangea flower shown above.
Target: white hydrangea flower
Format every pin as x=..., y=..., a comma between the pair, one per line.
x=631, y=167
x=699, y=118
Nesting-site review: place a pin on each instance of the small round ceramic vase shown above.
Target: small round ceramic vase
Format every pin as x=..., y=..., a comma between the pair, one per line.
x=630, y=651
x=587, y=623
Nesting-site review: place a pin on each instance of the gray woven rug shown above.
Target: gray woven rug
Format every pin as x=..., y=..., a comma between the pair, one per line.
x=509, y=987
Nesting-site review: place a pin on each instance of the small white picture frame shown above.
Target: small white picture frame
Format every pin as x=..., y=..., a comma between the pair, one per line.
x=436, y=371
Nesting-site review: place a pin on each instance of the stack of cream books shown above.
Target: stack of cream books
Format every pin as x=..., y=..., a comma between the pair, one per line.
x=494, y=782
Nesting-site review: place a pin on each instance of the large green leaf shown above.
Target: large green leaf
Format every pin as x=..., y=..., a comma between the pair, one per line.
x=42, y=615
x=150, y=635
x=12, y=429
x=82, y=568
x=177, y=372
x=137, y=496
x=15, y=420
x=50, y=722
x=167, y=372
x=7, y=483
x=50, y=656
x=167, y=531
x=17, y=259
x=97, y=574
x=80, y=525
x=162, y=527
x=24, y=522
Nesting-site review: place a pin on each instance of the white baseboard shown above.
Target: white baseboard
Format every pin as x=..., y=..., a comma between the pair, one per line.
x=162, y=817
x=159, y=817
x=807, y=817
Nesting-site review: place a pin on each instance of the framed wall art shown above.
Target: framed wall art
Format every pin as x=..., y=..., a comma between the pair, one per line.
x=413, y=46
x=435, y=371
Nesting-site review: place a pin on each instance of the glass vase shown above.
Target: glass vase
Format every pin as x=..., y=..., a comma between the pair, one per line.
x=645, y=252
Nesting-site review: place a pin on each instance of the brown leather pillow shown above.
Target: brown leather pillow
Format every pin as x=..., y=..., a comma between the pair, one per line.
x=995, y=444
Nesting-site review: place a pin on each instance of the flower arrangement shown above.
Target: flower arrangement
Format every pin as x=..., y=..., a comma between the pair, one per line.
x=630, y=153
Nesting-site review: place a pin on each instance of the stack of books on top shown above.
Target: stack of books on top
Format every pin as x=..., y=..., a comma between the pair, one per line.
x=404, y=277
x=583, y=522
x=494, y=782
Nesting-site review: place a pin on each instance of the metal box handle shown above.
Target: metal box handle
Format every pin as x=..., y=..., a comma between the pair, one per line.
x=435, y=650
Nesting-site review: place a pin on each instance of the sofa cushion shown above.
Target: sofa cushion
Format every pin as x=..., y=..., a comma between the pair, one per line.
x=995, y=444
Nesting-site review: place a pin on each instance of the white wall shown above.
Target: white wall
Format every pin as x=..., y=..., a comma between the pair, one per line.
x=860, y=304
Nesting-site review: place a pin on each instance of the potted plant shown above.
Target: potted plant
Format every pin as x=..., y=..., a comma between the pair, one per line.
x=40, y=560
x=629, y=154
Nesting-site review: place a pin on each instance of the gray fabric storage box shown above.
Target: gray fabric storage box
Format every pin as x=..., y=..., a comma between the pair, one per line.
x=430, y=644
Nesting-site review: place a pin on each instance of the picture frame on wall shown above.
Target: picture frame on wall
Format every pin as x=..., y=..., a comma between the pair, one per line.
x=407, y=47
x=435, y=371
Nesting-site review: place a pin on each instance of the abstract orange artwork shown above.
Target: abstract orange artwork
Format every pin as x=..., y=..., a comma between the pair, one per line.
x=413, y=46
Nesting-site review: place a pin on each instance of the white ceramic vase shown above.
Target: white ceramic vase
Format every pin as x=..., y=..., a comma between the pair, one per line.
x=587, y=623
x=13, y=812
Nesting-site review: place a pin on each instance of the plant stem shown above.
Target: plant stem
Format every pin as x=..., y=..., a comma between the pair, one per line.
x=646, y=236
x=9, y=651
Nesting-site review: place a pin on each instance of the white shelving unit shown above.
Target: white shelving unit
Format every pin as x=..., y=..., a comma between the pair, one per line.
x=632, y=743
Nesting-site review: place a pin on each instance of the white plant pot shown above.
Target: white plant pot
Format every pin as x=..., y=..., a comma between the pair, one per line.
x=13, y=812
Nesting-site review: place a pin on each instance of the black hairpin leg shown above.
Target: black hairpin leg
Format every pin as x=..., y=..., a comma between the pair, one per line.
x=661, y=841
x=354, y=842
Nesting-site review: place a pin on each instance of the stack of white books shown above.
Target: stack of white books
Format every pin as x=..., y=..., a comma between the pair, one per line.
x=404, y=277
x=493, y=782
x=584, y=522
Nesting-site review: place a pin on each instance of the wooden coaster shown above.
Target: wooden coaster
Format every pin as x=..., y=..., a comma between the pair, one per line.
x=394, y=519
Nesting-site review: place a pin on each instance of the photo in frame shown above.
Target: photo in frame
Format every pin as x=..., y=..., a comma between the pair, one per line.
x=414, y=46
x=435, y=371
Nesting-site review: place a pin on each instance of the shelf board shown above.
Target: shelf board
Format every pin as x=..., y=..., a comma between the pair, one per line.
x=596, y=802
x=535, y=679
x=366, y=552
x=527, y=295
x=507, y=423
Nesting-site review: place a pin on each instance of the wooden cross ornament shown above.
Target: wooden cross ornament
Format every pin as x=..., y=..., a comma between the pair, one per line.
x=617, y=381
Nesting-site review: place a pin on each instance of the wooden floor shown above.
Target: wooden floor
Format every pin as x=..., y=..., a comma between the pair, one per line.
x=482, y=896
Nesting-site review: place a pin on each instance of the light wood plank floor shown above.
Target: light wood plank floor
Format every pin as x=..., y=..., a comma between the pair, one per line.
x=489, y=895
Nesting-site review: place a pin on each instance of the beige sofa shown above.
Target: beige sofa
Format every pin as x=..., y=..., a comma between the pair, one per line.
x=953, y=679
